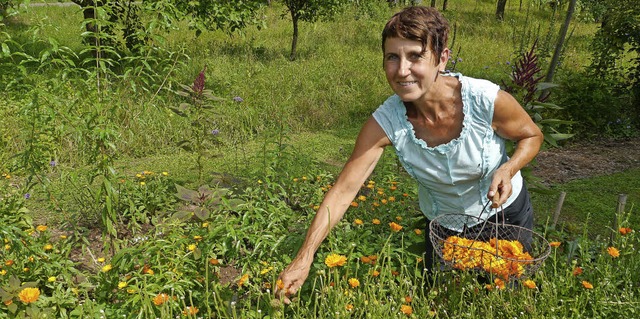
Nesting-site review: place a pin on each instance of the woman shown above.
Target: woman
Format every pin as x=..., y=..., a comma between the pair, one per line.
x=449, y=132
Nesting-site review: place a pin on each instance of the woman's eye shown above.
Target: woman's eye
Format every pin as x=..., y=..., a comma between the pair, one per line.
x=392, y=58
x=415, y=57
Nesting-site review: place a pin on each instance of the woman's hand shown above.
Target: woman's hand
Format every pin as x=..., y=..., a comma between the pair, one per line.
x=500, y=188
x=290, y=280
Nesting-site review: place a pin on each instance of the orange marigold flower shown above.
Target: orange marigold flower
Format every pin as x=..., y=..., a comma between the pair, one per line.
x=375, y=273
x=613, y=252
x=243, y=280
x=392, y=198
x=577, y=271
x=587, y=285
x=408, y=299
x=554, y=244
x=375, y=221
x=529, y=284
x=362, y=198
x=499, y=283
x=349, y=307
x=395, y=227
x=418, y=231
x=358, y=221
x=214, y=261
x=625, y=230
x=190, y=310
x=9, y=262
x=280, y=284
x=365, y=259
x=406, y=309
x=29, y=295
x=354, y=282
x=384, y=201
x=395, y=272
x=354, y=204
x=8, y=302
x=160, y=298
x=334, y=260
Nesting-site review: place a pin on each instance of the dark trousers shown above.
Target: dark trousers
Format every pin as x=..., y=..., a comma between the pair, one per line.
x=519, y=213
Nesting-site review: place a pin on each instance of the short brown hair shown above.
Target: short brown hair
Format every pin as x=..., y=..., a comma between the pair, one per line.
x=424, y=24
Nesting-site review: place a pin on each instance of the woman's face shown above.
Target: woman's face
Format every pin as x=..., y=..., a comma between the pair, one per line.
x=410, y=72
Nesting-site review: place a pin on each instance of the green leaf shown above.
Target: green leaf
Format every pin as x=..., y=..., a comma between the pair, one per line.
x=187, y=194
x=6, y=50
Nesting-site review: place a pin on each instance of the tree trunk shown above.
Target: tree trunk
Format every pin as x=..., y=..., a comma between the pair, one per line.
x=433, y=3
x=88, y=13
x=294, y=40
x=559, y=45
x=444, y=5
x=500, y=9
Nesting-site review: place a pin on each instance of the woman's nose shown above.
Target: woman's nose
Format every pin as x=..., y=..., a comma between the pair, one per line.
x=404, y=68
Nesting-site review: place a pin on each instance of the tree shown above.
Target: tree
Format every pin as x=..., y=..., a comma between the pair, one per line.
x=500, y=9
x=560, y=44
x=309, y=11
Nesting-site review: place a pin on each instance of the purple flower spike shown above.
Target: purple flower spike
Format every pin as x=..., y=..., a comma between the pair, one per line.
x=198, y=84
x=237, y=99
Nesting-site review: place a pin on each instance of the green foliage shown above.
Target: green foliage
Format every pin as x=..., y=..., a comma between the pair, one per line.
x=226, y=15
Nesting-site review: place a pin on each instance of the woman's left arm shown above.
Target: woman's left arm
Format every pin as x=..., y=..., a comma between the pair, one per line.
x=511, y=121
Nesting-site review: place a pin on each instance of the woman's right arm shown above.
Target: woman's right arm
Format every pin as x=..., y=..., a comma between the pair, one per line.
x=366, y=153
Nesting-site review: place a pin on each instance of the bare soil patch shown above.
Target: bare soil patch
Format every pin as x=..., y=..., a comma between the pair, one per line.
x=586, y=159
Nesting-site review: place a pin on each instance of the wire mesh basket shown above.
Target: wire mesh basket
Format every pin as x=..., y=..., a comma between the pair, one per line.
x=467, y=242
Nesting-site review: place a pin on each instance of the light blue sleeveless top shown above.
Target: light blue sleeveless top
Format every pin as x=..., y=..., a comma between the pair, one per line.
x=453, y=178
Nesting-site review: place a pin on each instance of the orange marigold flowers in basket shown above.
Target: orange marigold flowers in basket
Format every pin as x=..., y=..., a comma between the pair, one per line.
x=613, y=252
x=29, y=295
x=501, y=257
x=334, y=260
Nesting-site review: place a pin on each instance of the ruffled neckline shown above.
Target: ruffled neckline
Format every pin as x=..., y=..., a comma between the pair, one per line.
x=447, y=147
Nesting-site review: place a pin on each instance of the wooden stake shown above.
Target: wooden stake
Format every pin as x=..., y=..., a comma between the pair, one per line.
x=622, y=201
x=556, y=214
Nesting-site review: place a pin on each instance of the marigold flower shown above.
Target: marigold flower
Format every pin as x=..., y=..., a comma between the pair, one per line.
x=160, y=298
x=358, y=221
x=63, y=236
x=3, y=272
x=334, y=260
x=375, y=273
x=529, y=284
x=197, y=238
x=348, y=307
x=554, y=244
x=577, y=271
x=613, y=252
x=384, y=201
x=399, y=218
x=375, y=221
x=143, y=183
x=587, y=285
x=266, y=270
x=625, y=230
x=190, y=310
x=191, y=247
x=365, y=259
x=48, y=247
x=243, y=280
x=122, y=284
x=101, y=259
x=280, y=284
x=392, y=198
x=107, y=267
x=214, y=261
x=165, y=173
x=408, y=299
x=51, y=279
x=8, y=302
x=362, y=198
x=418, y=231
x=41, y=228
x=29, y=295
x=499, y=283
x=9, y=262
x=354, y=282
x=406, y=309
x=395, y=227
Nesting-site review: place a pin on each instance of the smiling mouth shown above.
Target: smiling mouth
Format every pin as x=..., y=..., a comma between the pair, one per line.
x=407, y=83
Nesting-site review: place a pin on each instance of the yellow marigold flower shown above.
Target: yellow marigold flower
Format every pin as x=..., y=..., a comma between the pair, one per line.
x=406, y=309
x=122, y=284
x=243, y=280
x=165, y=173
x=613, y=252
x=51, y=279
x=376, y=204
x=577, y=271
x=375, y=221
x=7, y=247
x=554, y=244
x=205, y=224
x=625, y=230
x=29, y=295
x=48, y=247
x=348, y=307
x=529, y=284
x=587, y=285
x=358, y=221
x=304, y=178
x=384, y=201
x=280, y=284
x=362, y=198
x=370, y=186
x=191, y=247
x=41, y=228
x=399, y=218
x=316, y=207
x=3, y=272
x=63, y=236
x=266, y=270
x=334, y=260
x=143, y=183
x=418, y=231
x=395, y=227
x=392, y=198
x=354, y=282
x=101, y=259
x=295, y=179
x=160, y=298
x=197, y=238
x=139, y=175
x=107, y=267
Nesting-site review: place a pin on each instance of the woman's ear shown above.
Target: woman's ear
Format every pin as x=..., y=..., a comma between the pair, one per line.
x=444, y=58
